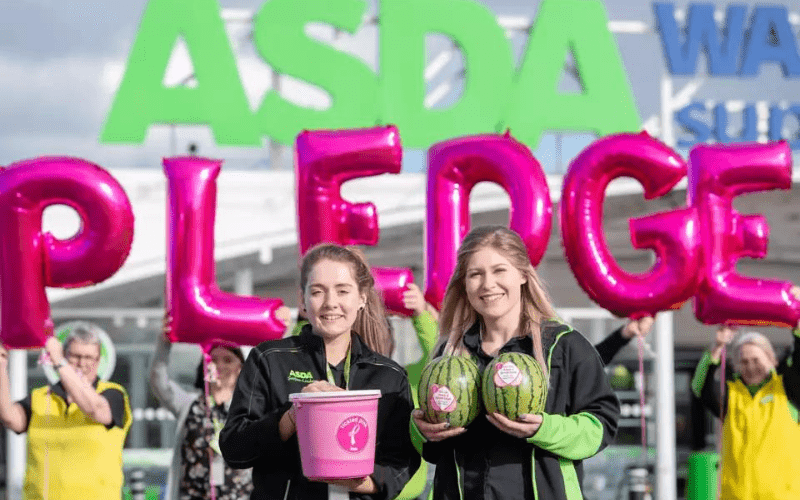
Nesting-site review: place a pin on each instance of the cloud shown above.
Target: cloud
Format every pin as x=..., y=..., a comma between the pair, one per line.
x=40, y=30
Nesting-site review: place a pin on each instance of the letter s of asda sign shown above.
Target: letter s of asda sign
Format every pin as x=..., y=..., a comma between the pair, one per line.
x=496, y=96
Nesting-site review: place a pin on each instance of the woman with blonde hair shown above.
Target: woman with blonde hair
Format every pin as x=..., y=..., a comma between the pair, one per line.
x=759, y=413
x=343, y=346
x=496, y=303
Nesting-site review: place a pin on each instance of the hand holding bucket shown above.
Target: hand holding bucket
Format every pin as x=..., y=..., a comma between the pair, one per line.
x=336, y=432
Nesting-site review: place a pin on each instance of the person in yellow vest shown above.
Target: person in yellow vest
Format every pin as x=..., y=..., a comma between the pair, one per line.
x=761, y=434
x=76, y=427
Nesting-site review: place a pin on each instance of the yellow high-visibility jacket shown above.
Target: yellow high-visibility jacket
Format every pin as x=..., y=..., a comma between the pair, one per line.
x=70, y=455
x=761, y=439
x=761, y=433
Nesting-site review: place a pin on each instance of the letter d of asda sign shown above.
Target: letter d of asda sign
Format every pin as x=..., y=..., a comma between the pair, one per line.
x=495, y=95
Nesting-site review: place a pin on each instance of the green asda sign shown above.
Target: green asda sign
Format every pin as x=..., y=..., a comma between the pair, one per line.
x=496, y=95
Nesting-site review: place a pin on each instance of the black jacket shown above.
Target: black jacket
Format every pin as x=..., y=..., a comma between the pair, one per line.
x=580, y=419
x=275, y=369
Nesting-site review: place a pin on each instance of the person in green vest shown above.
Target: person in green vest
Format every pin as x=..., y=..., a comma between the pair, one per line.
x=423, y=318
x=76, y=427
x=759, y=410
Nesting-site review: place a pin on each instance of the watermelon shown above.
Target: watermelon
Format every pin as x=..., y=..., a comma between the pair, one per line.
x=449, y=391
x=513, y=385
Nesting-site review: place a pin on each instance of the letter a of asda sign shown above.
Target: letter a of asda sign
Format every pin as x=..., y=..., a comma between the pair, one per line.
x=496, y=95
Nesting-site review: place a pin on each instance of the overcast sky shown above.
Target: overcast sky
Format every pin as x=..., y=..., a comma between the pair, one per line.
x=61, y=63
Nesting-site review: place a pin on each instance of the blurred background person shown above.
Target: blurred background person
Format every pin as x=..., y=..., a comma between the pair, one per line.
x=619, y=338
x=196, y=458
x=760, y=435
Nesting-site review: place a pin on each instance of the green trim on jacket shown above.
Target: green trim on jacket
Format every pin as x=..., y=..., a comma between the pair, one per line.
x=701, y=373
x=298, y=327
x=427, y=331
x=575, y=437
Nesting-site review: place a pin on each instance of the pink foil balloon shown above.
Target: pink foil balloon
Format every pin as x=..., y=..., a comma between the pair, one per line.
x=391, y=282
x=454, y=167
x=200, y=312
x=325, y=159
x=673, y=236
x=32, y=260
x=716, y=175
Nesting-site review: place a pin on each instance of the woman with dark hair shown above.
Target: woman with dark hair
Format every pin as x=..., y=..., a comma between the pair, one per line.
x=196, y=459
x=496, y=303
x=344, y=346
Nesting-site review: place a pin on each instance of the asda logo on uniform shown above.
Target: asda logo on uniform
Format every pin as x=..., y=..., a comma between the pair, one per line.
x=298, y=376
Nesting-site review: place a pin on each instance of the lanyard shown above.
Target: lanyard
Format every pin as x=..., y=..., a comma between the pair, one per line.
x=346, y=371
x=216, y=423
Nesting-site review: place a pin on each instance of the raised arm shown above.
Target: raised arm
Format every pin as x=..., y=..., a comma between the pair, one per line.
x=168, y=392
x=703, y=385
x=77, y=387
x=12, y=414
x=619, y=338
x=791, y=368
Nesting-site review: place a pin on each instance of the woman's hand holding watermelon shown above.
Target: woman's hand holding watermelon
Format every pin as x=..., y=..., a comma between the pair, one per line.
x=435, y=432
x=524, y=427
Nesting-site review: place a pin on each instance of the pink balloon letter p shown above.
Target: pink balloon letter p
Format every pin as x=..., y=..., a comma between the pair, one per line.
x=31, y=260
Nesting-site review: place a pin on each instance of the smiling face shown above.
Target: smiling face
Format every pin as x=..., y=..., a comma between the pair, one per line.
x=754, y=364
x=332, y=298
x=493, y=286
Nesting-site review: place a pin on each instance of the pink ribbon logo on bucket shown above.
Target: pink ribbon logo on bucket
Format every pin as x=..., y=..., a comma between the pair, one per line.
x=353, y=434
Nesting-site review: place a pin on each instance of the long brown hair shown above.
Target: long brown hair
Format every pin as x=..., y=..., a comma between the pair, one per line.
x=458, y=314
x=371, y=323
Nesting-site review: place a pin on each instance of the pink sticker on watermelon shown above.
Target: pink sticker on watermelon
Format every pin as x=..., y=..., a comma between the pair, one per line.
x=507, y=374
x=442, y=399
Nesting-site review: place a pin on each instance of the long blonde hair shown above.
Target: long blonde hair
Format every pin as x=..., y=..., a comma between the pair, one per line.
x=457, y=313
x=371, y=324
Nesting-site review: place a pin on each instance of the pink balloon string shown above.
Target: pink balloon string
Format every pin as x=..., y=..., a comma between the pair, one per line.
x=642, y=421
x=207, y=375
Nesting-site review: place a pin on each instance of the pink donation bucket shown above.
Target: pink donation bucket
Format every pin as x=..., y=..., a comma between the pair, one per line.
x=336, y=433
